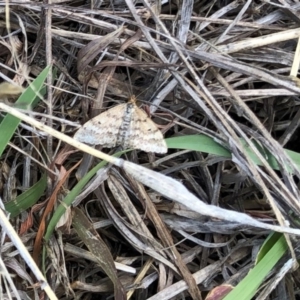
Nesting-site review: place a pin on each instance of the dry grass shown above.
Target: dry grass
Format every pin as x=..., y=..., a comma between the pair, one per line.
x=224, y=70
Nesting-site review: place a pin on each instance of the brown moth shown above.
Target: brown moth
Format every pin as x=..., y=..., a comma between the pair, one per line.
x=124, y=125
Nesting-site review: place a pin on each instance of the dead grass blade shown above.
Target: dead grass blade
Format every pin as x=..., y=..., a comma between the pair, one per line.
x=14, y=237
x=140, y=239
x=174, y=190
x=91, y=50
x=96, y=245
x=167, y=240
x=230, y=76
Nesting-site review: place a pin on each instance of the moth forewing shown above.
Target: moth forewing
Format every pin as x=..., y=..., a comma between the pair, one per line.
x=144, y=134
x=102, y=129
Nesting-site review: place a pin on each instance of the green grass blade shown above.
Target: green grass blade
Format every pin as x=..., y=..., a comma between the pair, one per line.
x=206, y=144
x=27, y=199
x=70, y=198
x=72, y=195
x=197, y=142
x=10, y=123
x=270, y=241
x=248, y=287
x=66, y=203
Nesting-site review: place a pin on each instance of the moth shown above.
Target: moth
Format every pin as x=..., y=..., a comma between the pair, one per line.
x=124, y=125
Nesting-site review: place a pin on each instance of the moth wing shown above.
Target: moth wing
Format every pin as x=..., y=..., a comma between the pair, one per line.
x=102, y=129
x=143, y=134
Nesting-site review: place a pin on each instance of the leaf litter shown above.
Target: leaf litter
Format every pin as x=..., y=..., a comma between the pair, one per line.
x=230, y=75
